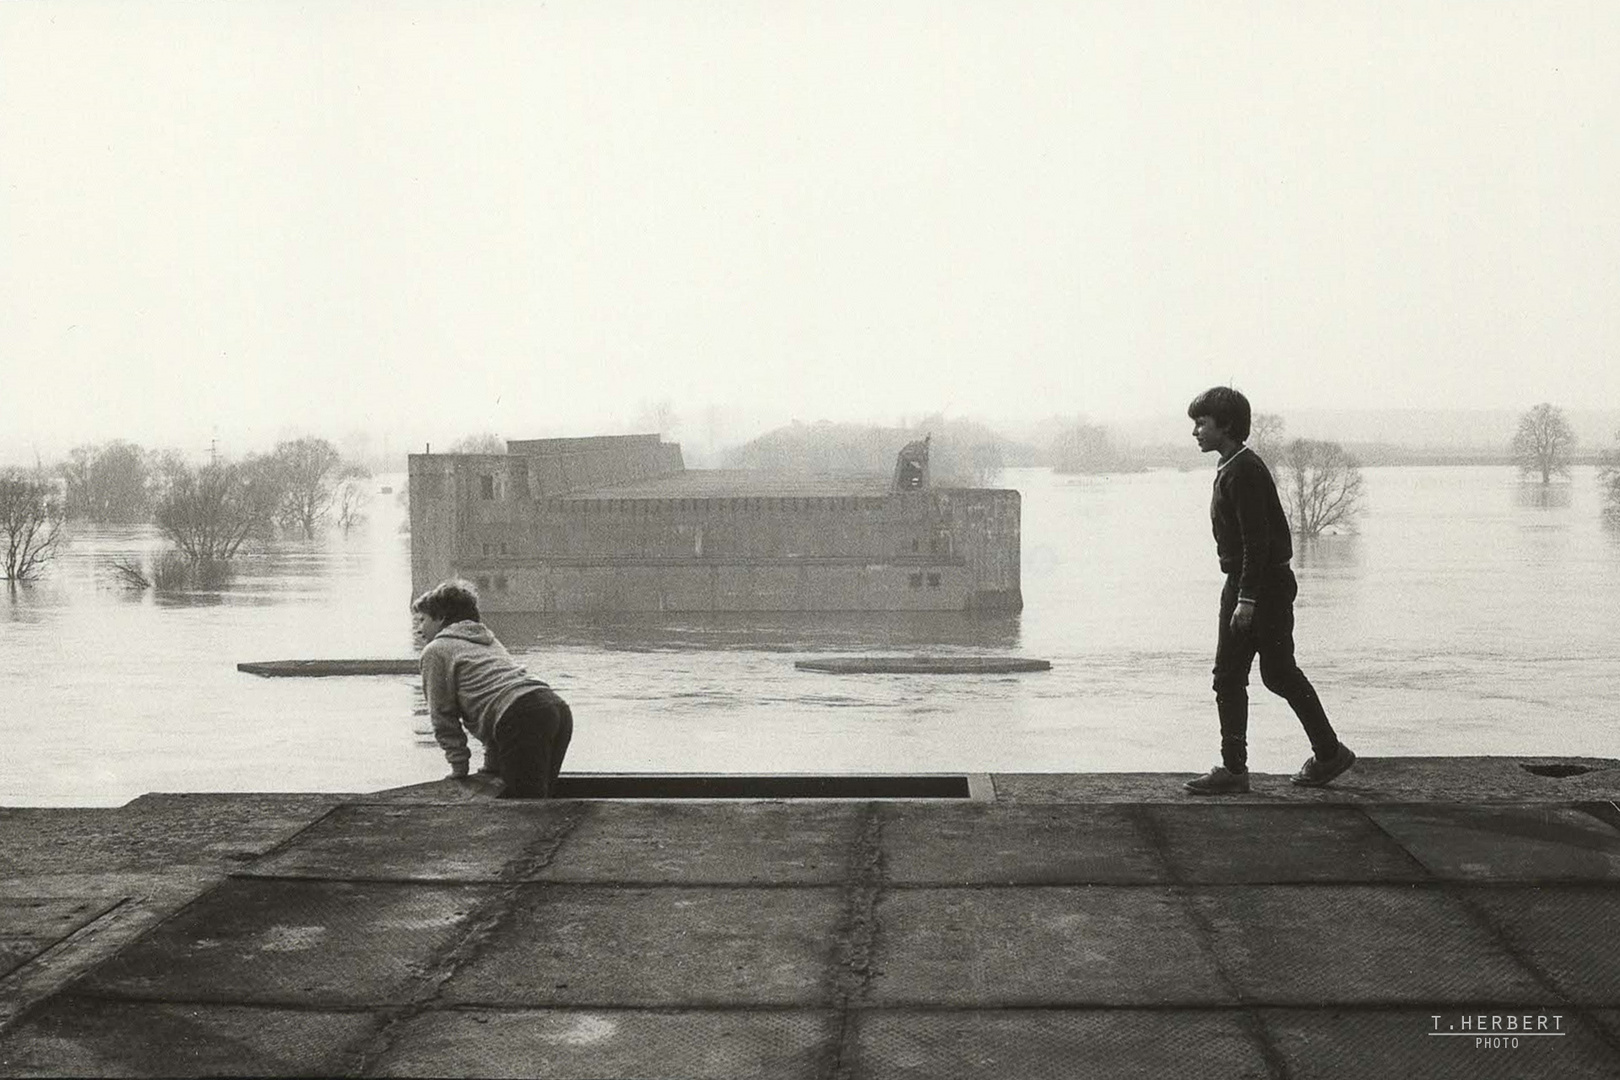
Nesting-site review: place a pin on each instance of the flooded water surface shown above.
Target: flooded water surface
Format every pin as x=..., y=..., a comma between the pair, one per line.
x=1469, y=614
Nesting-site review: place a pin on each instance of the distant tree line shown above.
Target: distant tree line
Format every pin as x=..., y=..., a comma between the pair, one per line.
x=207, y=512
x=1081, y=447
x=962, y=453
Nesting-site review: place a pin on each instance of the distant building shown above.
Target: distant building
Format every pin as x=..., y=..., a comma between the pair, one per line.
x=618, y=524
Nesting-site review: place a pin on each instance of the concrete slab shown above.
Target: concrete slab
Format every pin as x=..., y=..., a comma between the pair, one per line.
x=709, y=843
x=1609, y=1021
x=1327, y=1044
x=1034, y=1043
x=79, y=1037
x=1048, y=945
x=313, y=944
x=581, y=945
x=1225, y=844
x=403, y=842
x=1358, y=944
x=46, y=918
x=1566, y=931
x=14, y=953
x=154, y=832
x=1505, y=843
x=130, y=904
x=986, y=843
x=30, y=925
x=1374, y=779
x=572, y=1044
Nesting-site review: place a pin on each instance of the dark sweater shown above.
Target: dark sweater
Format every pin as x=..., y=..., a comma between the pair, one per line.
x=1251, y=530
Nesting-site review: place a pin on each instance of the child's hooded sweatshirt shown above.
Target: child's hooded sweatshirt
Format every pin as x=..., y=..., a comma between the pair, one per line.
x=469, y=678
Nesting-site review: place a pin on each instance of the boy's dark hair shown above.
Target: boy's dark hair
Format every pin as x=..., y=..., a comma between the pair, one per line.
x=449, y=601
x=1229, y=408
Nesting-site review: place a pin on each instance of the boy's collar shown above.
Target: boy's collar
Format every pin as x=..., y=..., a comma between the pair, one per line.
x=1228, y=460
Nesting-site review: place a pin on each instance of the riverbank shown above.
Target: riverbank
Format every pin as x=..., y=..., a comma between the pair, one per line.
x=1100, y=922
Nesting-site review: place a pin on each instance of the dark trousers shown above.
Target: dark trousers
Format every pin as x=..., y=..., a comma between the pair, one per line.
x=1271, y=635
x=531, y=738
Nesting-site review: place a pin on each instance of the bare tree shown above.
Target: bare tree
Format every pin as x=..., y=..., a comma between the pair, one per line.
x=305, y=469
x=352, y=496
x=1320, y=486
x=30, y=525
x=1543, y=442
x=209, y=512
x=1266, y=435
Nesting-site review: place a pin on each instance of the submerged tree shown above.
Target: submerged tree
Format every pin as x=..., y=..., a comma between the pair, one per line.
x=1320, y=485
x=108, y=483
x=1543, y=442
x=1609, y=483
x=349, y=504
x=306, y=471
x=31, y=516
x=209, y=512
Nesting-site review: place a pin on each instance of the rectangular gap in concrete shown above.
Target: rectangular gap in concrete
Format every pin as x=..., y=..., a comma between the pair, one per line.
x=739, y=786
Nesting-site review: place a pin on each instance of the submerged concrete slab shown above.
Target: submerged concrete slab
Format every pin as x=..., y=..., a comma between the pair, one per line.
x=1051, y=945
x=574, y=1044
x=1358, y=944
x=986, y=843
x=316, y=944
x=459, y=842
x=1567, y=931
x=900, y=1044
x=709, y=843
x=1327, y=1044
x=81, y=1037
x=582, y=945
x=1225, y=844
x=1505, y=843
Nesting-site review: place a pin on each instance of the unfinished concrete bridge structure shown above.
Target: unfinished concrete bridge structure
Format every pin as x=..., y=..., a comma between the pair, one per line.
x=619, y=524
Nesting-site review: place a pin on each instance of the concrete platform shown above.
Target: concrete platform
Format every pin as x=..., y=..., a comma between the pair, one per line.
x=1422, y=917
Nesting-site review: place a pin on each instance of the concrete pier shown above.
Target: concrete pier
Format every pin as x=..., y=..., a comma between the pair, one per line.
x=1433, y=917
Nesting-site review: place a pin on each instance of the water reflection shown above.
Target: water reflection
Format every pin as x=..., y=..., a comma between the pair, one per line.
x=1543, y=496
x=1326, y=553
x=759, y=632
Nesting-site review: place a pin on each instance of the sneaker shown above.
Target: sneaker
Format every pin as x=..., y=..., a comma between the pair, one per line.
x=1219, y=781
x=1321, y=773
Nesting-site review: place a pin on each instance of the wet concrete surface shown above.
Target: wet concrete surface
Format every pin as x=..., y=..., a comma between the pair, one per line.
x=1091, y=926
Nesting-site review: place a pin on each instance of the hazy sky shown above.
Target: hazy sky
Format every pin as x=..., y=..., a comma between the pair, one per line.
x=243, y=218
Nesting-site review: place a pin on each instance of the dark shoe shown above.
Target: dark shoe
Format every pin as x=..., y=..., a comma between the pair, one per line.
x=1321, y=773
x=1219, y=781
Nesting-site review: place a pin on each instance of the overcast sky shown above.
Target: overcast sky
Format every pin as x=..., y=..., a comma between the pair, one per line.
x=239, y=219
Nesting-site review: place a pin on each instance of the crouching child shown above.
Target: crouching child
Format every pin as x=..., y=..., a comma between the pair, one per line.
x=473, y=685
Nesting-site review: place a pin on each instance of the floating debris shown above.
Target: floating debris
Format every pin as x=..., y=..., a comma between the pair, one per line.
x=315, y=668
x=924, y=665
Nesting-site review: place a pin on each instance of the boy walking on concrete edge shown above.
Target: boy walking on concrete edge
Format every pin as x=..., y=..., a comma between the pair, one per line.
x=471, y=680
x=1257, y=604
